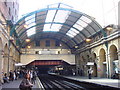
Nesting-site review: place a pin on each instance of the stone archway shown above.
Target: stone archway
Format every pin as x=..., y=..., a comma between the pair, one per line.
x=11, y=63
x=1, y=60
x=102, y=65
x=5, y=62
x=113, y=59
x=95, y=65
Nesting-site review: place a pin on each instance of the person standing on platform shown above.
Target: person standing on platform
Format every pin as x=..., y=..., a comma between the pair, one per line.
x=5, y=78
x=90, y=71
x=11, y=75
x=26, y=84
x=34, y=77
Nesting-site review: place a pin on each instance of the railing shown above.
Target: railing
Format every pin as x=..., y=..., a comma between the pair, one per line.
x=45, y=51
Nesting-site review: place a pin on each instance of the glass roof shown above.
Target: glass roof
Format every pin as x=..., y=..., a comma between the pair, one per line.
x=60, y=19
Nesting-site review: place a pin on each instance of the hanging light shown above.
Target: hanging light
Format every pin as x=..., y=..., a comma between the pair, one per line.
x=76, y=46
x=29, y=46
x=60, y=45
x=27, y=40
x=25, y=26
x=11, y=38
x=109, y=28
x=88, y=40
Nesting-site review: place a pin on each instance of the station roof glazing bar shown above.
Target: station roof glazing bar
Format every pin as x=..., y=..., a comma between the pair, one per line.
x=57, y=20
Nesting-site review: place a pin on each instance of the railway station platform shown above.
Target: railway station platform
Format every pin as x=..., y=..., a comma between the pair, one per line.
x=14, y=85
x=101, y=81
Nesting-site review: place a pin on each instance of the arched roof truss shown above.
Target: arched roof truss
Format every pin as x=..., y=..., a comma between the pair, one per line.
x=56, y=21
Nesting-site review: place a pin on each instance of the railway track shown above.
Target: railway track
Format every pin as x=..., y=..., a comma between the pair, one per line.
x=54, y=82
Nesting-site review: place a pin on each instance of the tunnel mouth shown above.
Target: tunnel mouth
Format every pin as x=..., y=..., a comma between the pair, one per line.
x=43, y=69
x=51, y=67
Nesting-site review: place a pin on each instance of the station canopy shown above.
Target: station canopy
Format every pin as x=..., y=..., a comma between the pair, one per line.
x=56, y=21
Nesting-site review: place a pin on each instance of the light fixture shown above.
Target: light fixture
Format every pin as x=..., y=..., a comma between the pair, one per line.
x=29, y=46
x=60, y=45
x=27, y=40
x=109, y=28
x=88, y=40
x=76, y=46
x=25, y=26
x=68, y=51
x=11, y=38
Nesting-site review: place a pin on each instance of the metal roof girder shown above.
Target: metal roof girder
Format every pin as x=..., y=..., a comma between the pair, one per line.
x=45, y=9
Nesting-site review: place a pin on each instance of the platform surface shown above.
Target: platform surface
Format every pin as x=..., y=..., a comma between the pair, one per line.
x=101, y=81
x=14, y=85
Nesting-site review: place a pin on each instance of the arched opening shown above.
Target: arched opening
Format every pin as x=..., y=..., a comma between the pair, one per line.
x=95, y=65
x=5, y=62
x=102, y=64
x=113, y=59
x=80, y=66
x=52, y=66
x=1, y=60
x=84, y=67
x=11, y=63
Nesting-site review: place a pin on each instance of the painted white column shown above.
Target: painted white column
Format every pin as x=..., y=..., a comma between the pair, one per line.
x=109, y=66
x=108, y=63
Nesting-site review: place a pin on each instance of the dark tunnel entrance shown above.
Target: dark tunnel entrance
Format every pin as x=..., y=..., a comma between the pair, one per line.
x=52, y=66
x=43, y=69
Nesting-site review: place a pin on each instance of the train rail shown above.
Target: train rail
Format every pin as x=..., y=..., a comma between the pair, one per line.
x=54, y=82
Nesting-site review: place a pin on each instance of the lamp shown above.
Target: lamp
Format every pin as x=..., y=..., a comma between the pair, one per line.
x=25, y=26
x=29, y=46
x=27, y=40
x=60, y=45
x=76, y=46
x=11, y=38
x=88, y=40
x=109, y=28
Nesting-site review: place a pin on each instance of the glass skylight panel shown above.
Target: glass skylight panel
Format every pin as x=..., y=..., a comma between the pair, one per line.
x=65, y=6
x=31, y=24
x=61, y=16
x=73, y=33
x=82, y=23
x=31, y=31
x=30, y=17
x=70, y=35
x=74, y=30
x=55, y=27
x=50, y=15
x=49, y=18
x=80, y=28
x=87, y=20
x=46, y=27
x=53, y=6
x=30, y=21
